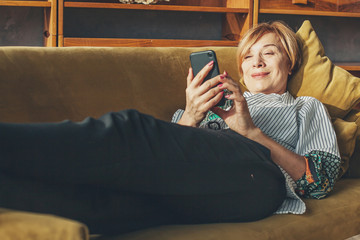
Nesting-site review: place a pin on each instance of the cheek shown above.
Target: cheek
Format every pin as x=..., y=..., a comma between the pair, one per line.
x=282, y=69
x=286, y=65
x=245, y=68
x=245, y=73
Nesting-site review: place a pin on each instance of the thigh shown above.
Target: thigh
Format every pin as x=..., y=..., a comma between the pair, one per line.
x=130, y=151
x=252, y=198
x=138, y=164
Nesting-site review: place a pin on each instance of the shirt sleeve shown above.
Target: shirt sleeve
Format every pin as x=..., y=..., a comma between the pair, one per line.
x=318, y=144
x=211, y=120
x=177, y=115
x=322, y=169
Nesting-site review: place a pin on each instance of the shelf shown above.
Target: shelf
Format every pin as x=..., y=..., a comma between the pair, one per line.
x=26, y=3
x=116, y=42
x=309, y=12
x=351, y=66
x=154, y=7
x=237, y=18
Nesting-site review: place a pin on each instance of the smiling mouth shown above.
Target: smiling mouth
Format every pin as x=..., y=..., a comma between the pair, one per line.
x=261, y=74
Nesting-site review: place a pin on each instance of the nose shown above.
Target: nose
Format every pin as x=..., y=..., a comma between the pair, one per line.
x=258, y=61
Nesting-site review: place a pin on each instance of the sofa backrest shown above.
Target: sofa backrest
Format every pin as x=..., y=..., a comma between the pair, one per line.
x=53, y=84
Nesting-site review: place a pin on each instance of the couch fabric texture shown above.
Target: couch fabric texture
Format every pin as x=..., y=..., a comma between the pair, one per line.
x=53, y=84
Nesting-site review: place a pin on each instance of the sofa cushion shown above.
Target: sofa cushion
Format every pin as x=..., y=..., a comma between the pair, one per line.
x=318, y=77
x=332, y=218
x=346, y=133
x=354, y=163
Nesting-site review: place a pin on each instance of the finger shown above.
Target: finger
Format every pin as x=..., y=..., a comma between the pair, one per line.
x=209, y=84
x=214, y=100
x=228, y=80
x=210, y=92
x=199, y=78
x=190, y=76
x=231, y=86
x=237, y=98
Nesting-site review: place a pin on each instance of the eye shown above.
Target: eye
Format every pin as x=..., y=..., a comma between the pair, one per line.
x=269, y=53
x=247, y=56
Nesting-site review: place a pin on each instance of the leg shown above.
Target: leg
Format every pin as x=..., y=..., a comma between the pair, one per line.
x=130, y=153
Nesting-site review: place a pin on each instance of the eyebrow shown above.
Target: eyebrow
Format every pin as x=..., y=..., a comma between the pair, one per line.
x=267, y=45
x=271, y=44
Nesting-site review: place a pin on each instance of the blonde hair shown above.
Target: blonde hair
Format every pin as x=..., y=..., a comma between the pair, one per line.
x=286, y=35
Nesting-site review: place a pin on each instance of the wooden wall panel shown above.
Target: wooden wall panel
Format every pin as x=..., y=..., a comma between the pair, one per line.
x=233, y=26
x=326, y=5
x=349, y=6
x=286, y=4
x=237, y=4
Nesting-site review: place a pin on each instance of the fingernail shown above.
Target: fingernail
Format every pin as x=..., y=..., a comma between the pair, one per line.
x=227, y=96
x=220, y=85
x=211, y=63
x=225, y=73
x=222, y=76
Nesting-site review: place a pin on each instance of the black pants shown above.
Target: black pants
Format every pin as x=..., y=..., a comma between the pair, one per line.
x=126, y=171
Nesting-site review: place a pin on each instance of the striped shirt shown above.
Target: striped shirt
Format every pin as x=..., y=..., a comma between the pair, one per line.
x=301, y=125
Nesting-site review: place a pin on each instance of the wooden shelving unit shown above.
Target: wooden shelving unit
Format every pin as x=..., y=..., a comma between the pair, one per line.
x=238, y=18
x=350, y=66
x=50, y=19
x=26, y=3
x=155, y=7
x=330, y=8
x=348, y=8
x=312, y=13
x=116, y=42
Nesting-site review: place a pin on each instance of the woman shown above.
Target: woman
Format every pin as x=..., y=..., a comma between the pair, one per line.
x=127, y=171
x=267, y=56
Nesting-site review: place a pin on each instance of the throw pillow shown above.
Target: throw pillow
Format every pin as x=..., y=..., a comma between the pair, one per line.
x=318, y=77
x=346, y=133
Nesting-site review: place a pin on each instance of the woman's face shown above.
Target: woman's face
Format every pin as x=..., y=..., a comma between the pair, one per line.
x=266, y=66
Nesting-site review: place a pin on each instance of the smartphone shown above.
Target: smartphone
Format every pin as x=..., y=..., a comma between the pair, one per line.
x=199, y=60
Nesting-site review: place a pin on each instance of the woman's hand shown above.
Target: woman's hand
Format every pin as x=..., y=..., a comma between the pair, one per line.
x=238, y=117
x=200, y=97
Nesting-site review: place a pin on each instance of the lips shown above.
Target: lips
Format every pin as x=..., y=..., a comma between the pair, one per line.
x=260, y=74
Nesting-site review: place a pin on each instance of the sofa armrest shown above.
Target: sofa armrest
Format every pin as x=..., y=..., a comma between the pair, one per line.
x=26, y=226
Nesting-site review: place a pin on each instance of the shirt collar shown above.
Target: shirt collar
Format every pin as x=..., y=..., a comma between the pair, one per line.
x=285, y=98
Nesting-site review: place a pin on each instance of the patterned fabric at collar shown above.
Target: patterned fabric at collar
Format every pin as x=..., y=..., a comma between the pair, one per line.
x=265, y=99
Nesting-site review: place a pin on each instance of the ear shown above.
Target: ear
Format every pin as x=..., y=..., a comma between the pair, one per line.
x=289, y=67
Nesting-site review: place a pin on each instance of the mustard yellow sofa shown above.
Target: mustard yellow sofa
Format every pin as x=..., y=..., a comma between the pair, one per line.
x=52, y=84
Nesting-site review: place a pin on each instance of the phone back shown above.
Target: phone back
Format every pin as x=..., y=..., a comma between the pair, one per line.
x=200, y=59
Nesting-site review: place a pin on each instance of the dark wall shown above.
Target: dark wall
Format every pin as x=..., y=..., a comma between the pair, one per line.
x=340, y=36
x=119, y=23
x=21, y=26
